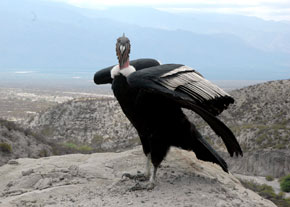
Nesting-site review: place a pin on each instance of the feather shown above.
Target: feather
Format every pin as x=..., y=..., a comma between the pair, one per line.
x=190, y=82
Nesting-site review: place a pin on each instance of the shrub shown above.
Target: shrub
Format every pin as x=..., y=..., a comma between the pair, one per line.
x=97, y=139
x=267, y=192
x=85, y=149
x=269, y=178
x=285, y=183
x=4, y=147
x=43, y=153
x=74, y=148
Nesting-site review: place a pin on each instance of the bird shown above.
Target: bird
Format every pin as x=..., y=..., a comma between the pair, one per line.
x=152, y=96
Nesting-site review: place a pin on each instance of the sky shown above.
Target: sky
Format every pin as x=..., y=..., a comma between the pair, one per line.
x=266, y=9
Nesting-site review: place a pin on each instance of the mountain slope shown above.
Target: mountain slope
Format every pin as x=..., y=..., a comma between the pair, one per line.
x=260, y=117
x=97, y=122
x=16, y=142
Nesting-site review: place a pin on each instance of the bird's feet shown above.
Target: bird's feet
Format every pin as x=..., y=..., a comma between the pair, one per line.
x=139, y=176
x=138, y=186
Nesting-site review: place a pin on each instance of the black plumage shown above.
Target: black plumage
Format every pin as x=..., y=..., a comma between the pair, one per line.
x=152, y=97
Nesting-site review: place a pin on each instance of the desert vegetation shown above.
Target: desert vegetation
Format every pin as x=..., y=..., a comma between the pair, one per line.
x=285, y=183
x=267, y=192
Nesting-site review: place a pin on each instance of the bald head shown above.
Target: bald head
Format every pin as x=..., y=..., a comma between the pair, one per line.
x=123, y=49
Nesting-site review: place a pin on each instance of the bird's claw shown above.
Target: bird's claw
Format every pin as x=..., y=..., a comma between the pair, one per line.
x=128, y=175
x=139, y=176
x=138, y=186
x=150, y=186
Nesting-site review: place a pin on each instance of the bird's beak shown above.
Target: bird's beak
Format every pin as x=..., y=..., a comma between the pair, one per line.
x=122, y=48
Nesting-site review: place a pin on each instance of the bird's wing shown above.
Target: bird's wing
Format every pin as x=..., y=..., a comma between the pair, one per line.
x=187, y=82
x=103, y=76
x=189, y=89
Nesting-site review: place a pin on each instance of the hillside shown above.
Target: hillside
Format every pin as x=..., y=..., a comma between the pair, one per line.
x=260, y=119
x=96, y=122
x=95, y=180
x=16, y=142
x=261, y=115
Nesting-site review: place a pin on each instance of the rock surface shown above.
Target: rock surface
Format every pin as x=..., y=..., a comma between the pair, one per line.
x=95, y=180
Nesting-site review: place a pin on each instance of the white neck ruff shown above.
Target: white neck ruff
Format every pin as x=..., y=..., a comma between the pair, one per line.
x=124, y=71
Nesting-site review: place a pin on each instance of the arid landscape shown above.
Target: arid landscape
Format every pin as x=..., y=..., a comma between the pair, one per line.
x=65, y=141
x=43, y=123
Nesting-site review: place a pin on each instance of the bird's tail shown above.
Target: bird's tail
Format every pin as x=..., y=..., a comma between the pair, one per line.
x=204, y=151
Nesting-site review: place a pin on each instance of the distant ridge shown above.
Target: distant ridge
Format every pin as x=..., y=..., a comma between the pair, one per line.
x=54, y=37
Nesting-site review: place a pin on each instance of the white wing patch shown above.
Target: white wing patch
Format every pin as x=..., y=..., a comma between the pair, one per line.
x=192, y=83
x=177, y=70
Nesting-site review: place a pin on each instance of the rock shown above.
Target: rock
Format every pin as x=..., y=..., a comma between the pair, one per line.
x=88, y=182
x=74, y=170
x=27, y=172
x=27, y=182
x=12, y=162
x=221, y=204
x=237, y=202
x=43, y=183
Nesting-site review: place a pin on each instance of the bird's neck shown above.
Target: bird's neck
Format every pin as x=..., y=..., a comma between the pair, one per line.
x=125, y=65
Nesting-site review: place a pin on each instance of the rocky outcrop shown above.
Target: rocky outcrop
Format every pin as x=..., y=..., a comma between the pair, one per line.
x=95, y=180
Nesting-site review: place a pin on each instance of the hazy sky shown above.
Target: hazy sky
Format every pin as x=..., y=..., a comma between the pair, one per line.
x=266, y=9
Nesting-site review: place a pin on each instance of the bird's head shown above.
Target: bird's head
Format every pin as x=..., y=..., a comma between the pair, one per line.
x=123, y=49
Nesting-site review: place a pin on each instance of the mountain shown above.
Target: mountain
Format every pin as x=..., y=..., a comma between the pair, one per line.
x=96, y=180
x=57, y=38
x=265, y=35
x=259, y=119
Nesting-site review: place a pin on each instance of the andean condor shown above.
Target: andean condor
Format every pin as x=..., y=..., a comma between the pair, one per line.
x=152, y=97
